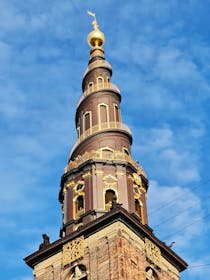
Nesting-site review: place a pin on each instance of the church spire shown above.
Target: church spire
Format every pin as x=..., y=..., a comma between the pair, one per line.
x=105, y=233
x=100, y=169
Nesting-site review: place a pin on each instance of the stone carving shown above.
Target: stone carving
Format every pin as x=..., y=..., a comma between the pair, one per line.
x=46, y=241
x=153, y=252
x=115, y=205
x=73, y=250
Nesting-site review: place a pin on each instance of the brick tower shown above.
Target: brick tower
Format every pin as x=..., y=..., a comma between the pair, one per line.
x=105, y=233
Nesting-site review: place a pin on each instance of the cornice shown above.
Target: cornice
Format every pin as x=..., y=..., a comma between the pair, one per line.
x=117, y=214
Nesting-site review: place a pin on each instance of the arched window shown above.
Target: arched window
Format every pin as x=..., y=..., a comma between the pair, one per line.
x=107, y=153
x=80, y=202
x=116, y=113
x=78, y=272
x=79, y=206
x=100, y=81
x=103, y=115
x=138, y=208
x=151, y=274
x=87, y=121
x=109, y=197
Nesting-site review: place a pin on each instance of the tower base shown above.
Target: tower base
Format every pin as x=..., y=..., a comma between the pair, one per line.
x=114, y=246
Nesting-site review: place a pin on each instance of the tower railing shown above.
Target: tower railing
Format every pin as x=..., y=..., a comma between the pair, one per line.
x=98, y=86
x=101, y=127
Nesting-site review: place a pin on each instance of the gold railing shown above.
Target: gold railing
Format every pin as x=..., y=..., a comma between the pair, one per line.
x=105, y=155
x=98, y=86
x=101, y=127
x=101, y=85
x=104, y=126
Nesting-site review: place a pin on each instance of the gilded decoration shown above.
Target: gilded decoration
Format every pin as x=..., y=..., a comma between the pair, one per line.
x=110, y=181
x=86, y=175
x=73, y=250
x=70, y=184
x=137, y=191
x=99, y=154
x=96, y=37
x=137, y=179
x=153, y=252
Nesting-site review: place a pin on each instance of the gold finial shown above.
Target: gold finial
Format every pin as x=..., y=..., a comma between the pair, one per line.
x=96, y=37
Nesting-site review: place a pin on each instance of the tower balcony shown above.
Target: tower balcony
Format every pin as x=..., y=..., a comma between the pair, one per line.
x=100, y=128
x=98, y=87
x=103, y=155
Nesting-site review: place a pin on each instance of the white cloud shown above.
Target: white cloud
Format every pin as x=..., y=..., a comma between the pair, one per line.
x=173, y=209
x=170, y=154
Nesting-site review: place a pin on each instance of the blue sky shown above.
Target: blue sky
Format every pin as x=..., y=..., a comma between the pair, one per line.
x=160, y=54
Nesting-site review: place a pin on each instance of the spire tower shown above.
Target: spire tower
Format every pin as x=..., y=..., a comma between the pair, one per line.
x=105, y=232
x=100, y=166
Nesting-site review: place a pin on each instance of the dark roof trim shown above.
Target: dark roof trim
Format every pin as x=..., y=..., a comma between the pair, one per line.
x=118, y=214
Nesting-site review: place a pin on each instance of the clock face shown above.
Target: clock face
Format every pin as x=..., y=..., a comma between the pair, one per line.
x=137, y=179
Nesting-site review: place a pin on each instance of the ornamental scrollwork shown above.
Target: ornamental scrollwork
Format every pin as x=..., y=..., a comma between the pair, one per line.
x=153, y=253
x=73, y=250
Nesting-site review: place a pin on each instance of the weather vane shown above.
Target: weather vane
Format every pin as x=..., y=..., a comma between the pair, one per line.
x=96, y=37
x=95, y=24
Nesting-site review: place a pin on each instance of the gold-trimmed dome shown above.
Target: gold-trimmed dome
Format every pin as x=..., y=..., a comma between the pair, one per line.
x=95, y=38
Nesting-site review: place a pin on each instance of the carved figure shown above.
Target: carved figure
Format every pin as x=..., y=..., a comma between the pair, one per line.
x=46, y=241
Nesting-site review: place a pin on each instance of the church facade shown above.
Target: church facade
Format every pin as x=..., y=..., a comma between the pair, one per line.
x=105, y=233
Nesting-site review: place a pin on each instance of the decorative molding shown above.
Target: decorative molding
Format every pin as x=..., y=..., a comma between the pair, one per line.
x=110, y=181
x=153, y=252
x=120, y=173
x=137, y=179
x=131, y=178
x=73, y=250
x=70, y=184
x=99, y=172
x=86, y=175
x=99, y=154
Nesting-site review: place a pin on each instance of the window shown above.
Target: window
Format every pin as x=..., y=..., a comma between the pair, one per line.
x=100, y=81
x=138, y=208
x=79, y=206
x=80, y=202
x=78, y=272
x=90, y=84
x=109, y=197
x=116, y=113
x=103, y=115
x=78, y=131
x=87, y=121
x=107, y=153
x=79, y=187
x=151, y=274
